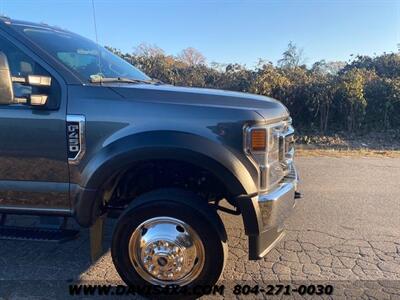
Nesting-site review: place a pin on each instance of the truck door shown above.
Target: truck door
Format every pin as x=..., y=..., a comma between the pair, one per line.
x=33, y=148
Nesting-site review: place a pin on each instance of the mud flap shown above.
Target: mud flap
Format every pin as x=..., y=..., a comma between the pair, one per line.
x=96, y=234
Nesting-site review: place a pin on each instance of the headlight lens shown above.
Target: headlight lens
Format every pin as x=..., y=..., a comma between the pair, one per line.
x=262, y=146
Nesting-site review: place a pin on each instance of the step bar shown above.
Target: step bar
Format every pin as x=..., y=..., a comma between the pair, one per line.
x=19, y=233
x=36, y=211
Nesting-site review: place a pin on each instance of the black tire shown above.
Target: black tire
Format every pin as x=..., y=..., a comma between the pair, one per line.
x=184, y=206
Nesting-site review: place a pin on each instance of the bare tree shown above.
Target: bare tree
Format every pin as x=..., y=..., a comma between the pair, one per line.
x=192, y=57
x=328, y=67
x=148, y=50
x=293, y=57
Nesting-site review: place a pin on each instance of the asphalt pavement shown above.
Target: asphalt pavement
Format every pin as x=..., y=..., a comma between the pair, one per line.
x=345, y=232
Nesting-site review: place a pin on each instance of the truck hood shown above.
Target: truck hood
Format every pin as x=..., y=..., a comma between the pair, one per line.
x=267, y=107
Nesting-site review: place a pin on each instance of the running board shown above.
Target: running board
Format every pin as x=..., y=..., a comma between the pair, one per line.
x=19, y=233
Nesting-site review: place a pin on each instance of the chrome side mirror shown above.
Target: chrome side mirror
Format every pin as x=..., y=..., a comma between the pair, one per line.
x=39, y=80
x=34, y=100
x=33, y=80
x=7, y=96
x=38, y=100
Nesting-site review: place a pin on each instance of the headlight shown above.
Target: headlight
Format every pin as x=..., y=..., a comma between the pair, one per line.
x=262, y=145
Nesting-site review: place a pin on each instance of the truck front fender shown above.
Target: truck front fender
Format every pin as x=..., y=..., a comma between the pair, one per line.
x=209, y=154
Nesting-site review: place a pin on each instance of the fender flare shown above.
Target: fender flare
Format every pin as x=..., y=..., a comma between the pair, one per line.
x=197, y=150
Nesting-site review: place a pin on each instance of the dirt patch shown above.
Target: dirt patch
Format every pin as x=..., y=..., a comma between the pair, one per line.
x=346, y=153
x=379, y=141
x=376, y=144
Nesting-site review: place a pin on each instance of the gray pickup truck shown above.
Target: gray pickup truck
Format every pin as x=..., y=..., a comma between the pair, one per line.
x=86, y=135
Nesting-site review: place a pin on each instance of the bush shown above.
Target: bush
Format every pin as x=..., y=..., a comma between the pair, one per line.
x=356, y=97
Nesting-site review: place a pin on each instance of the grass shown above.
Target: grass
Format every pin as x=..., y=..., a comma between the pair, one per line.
x=315, y=152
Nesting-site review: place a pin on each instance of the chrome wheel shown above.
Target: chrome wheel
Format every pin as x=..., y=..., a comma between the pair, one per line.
x=165, y=250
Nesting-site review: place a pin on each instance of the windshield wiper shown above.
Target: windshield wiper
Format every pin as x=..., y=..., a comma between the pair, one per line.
x=98, y=79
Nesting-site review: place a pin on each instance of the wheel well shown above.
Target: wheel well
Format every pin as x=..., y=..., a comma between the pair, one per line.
x=120, y=190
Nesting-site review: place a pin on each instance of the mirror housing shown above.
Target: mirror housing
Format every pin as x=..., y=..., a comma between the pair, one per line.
x=38, y=100
x=7, y=91
x=39, y=80
x=33, y=80
x=33, y=100
x=6, y=87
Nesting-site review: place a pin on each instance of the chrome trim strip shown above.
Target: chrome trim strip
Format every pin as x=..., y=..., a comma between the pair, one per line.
x=287, y=149
x=81, y=120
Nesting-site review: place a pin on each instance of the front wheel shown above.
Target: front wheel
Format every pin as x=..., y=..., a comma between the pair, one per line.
x=169, y=237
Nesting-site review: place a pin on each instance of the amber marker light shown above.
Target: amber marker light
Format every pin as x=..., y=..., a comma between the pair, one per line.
x=258, y=139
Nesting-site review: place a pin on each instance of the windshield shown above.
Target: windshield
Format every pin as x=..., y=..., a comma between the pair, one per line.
x=82, y=56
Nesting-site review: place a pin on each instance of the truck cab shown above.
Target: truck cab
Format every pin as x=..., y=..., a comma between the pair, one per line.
x=86, y=135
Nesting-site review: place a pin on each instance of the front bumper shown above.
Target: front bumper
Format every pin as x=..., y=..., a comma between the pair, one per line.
x=276, y=205
x=272, y=209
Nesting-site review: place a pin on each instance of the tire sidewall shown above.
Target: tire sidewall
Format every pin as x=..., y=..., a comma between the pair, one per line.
x=191, y=215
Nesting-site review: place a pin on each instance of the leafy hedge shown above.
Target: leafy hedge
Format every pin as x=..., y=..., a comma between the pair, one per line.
x=357, y=96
